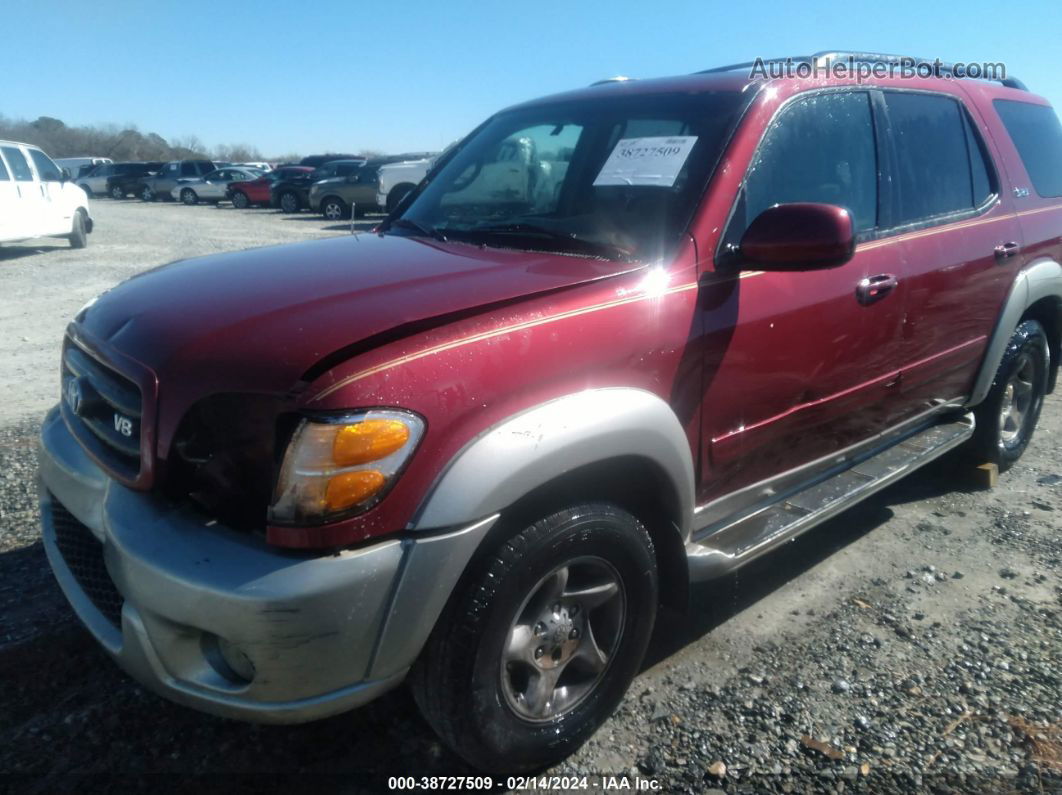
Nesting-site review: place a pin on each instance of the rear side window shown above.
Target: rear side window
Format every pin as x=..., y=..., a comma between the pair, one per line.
x=4, y=176
x=1037, y=135
x=935, y=162
x=188, y=170
x=18, y=164
x=820, y=148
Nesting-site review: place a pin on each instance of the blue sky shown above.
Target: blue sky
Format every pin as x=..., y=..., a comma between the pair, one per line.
x=400, y=76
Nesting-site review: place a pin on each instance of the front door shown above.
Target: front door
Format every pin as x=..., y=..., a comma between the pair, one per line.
x=55, y=211
x=797, y=366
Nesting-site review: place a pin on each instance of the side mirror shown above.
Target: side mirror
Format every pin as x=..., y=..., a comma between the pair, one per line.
x=802, y=236
x=64, y=174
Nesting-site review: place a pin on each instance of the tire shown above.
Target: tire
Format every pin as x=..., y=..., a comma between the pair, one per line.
x=289, y=202
x=147, y=194
x=1007, y=418
x=240, y=200
x=78, y=237
x=189, y=197
x=396, y=194
x=334, y=209
x=117, y=192
x=506, y=628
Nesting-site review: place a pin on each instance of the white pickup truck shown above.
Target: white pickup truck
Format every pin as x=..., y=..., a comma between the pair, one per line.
x=398, y=179
x=37, y=199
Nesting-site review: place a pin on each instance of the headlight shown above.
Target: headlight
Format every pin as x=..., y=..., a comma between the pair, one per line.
x=341, y=466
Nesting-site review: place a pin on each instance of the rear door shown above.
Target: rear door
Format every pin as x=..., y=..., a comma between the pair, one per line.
x=955, y=225
x=55, y=213
x=29, y=214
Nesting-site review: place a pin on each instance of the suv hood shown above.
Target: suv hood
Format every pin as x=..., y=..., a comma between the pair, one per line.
x=257, y=320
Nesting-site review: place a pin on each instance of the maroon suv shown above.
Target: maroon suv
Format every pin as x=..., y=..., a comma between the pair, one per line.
x=620, y=340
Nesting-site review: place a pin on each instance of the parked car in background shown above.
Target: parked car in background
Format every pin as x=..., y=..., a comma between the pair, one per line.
x=95, y=179
x=159, y=186
x=261, y=166
x=319, y=160
x=76, y=166
x=257, y=191
x=333, y=197
x=396, y=180
x=293, y=193
x=37, y=199
x=212, y=187
x=130, y=179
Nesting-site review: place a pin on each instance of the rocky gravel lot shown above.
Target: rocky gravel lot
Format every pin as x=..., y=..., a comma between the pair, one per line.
x=912, y=644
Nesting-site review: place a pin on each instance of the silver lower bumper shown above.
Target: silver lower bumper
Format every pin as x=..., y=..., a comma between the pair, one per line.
x=323, y=633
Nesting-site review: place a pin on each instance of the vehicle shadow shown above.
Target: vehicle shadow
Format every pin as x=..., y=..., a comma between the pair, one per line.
x=10, y=252
x=72, y=716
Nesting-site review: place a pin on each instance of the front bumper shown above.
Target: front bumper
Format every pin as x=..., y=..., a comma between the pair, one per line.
x=324, y=633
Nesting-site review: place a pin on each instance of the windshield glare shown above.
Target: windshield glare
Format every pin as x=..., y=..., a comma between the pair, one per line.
x=612, y=177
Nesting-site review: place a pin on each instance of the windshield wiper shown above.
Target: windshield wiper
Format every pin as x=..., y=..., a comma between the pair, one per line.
x=609, y=250
x=417, y=226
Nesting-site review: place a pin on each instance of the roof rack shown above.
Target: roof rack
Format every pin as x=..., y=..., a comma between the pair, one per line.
x=861, y=57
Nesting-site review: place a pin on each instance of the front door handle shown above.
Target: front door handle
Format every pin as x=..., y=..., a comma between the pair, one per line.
x=1005, y=251
x=874, y=288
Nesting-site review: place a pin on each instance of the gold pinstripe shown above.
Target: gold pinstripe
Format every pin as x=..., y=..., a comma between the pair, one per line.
x=485, y=335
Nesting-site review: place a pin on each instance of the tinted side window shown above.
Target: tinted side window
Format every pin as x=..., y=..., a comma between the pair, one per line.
x=3, y=172
x=932, y=162
x=18, y=164
x=981, y=173
x=820, y=149
x=47, y=170
x=188, y=170
x=1037, y=135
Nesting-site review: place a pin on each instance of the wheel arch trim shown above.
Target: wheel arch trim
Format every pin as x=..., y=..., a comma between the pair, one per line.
x=530, y=449
x=1039, y=280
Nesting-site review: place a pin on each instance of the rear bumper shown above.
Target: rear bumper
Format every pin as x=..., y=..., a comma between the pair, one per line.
x=323, y=633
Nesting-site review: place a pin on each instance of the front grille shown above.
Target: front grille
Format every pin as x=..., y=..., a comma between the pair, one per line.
x=103, y=408
x=83, y=554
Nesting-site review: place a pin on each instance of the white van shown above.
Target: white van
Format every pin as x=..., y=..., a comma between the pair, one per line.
x=37, y=200
x=75, y=165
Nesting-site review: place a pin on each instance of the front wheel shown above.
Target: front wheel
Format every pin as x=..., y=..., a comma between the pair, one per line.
x=147, y=194
x=1007, y=418
x=541, y=639
x=189, y=197
x=78, y=236
x=239, y=200
x=333, y=209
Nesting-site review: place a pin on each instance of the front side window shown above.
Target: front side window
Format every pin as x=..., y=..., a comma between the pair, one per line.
x=1037, y=135
x=18, y=164
x=933, y=160
x=820, y=148
x=47, y=170
x=614, y=177
x=170, y=169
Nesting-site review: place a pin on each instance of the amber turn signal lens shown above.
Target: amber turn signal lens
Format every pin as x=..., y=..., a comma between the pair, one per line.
x=350, y=488
x=369, y=440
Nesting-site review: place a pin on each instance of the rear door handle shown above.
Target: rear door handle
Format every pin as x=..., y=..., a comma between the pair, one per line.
x=1005, y=251
x=874, y=288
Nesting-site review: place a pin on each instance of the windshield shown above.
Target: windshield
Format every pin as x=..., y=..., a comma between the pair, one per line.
x=616, y=177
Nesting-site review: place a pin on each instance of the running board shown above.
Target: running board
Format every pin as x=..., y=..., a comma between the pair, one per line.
x=718, y=550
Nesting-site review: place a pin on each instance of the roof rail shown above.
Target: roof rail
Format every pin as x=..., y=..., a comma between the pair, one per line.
x=616, y=79
x=860, y=57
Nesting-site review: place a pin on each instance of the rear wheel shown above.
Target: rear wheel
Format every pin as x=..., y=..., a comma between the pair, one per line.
x=541, y=639
x=117, y=192
x=189, y=197
x=78, y=236
x=1007, y=418
x=147, y=194
x=240, y=201
x=289, y=202
x=333, y=208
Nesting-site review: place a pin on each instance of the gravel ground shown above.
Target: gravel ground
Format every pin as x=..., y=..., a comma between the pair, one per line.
x=909, y=645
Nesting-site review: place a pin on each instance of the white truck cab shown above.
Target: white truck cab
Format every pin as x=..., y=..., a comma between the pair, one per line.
x=37, y=199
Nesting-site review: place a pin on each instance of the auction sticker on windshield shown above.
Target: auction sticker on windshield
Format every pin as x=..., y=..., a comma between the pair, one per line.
x=646, y=161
